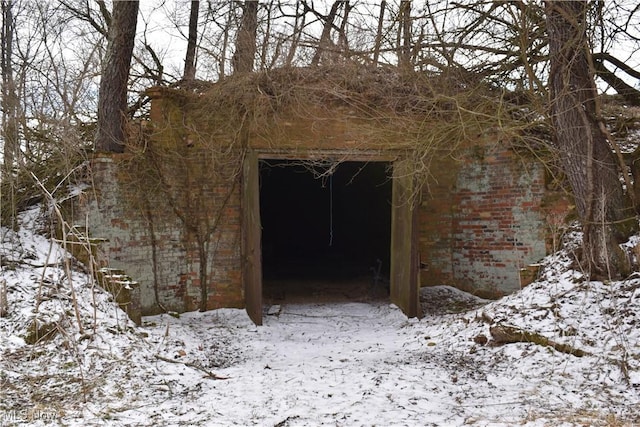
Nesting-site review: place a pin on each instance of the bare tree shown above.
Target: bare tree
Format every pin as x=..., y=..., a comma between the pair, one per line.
x=343, y=42
x=266, y=39
x=9, y=95
x=325, y=37
x=245, y=53
x=378, y=40
x=50, y=60
x=586, y=157
x=296, y=33
x=190, y=59
x=100, y=21
x=9, y=107
x=112, y=102
x=404, y=35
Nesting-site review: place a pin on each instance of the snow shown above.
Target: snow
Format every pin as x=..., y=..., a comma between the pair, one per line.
x=359, y=363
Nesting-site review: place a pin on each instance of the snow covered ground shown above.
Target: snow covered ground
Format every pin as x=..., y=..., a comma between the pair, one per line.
x=350, y=364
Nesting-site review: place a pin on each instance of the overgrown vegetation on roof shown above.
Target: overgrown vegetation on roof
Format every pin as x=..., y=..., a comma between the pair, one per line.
x=358, y=91
x=429, y=116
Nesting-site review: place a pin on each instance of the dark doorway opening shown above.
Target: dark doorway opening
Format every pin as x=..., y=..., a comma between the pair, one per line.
x=326, y=229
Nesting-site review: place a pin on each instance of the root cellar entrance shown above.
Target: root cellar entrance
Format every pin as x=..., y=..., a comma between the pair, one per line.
x=326, y=230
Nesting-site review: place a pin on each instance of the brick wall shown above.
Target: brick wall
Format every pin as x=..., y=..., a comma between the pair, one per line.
x=481, y=220
x=150, y=242
x=171, y=209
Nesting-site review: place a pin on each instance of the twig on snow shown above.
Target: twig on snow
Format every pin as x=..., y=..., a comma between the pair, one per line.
x=210, y=374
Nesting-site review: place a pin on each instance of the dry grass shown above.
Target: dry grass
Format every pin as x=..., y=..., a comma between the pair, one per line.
x=383, y=94
x=426, y=116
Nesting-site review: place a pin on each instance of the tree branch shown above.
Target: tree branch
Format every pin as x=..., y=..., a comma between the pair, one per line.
x=628, y=92
x=208, y=373
x=503, y=334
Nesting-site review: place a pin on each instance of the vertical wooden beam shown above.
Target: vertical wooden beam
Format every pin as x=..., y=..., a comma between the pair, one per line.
x=404, y=255
x=252, y=235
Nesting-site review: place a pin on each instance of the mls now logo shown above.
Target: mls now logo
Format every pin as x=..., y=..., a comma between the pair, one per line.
x=27, y=415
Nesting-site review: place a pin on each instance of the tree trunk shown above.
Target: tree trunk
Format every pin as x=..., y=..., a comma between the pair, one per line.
x=298, y=25
x=10, y=105
x=222, y=62
x=325, y=37
x=404, y=45
x=9, y=96
x=266, y=41
x=378, y=42
x=628, y=92
x=112, y=98
x=190, y=58
x=586, y=157
x=246, y=41
x=343, y=41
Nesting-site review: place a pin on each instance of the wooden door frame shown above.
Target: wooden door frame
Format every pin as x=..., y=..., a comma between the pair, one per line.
x=404, y=286
x=252, y=237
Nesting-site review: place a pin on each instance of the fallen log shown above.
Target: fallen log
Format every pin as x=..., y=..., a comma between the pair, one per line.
x=504, y=334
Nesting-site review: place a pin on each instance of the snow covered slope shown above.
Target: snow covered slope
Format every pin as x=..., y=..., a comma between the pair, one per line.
x=350, y=364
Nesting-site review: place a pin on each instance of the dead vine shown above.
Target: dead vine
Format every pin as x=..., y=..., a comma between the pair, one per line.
x=422, y=116
x=190, y=183
x=184, y=165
